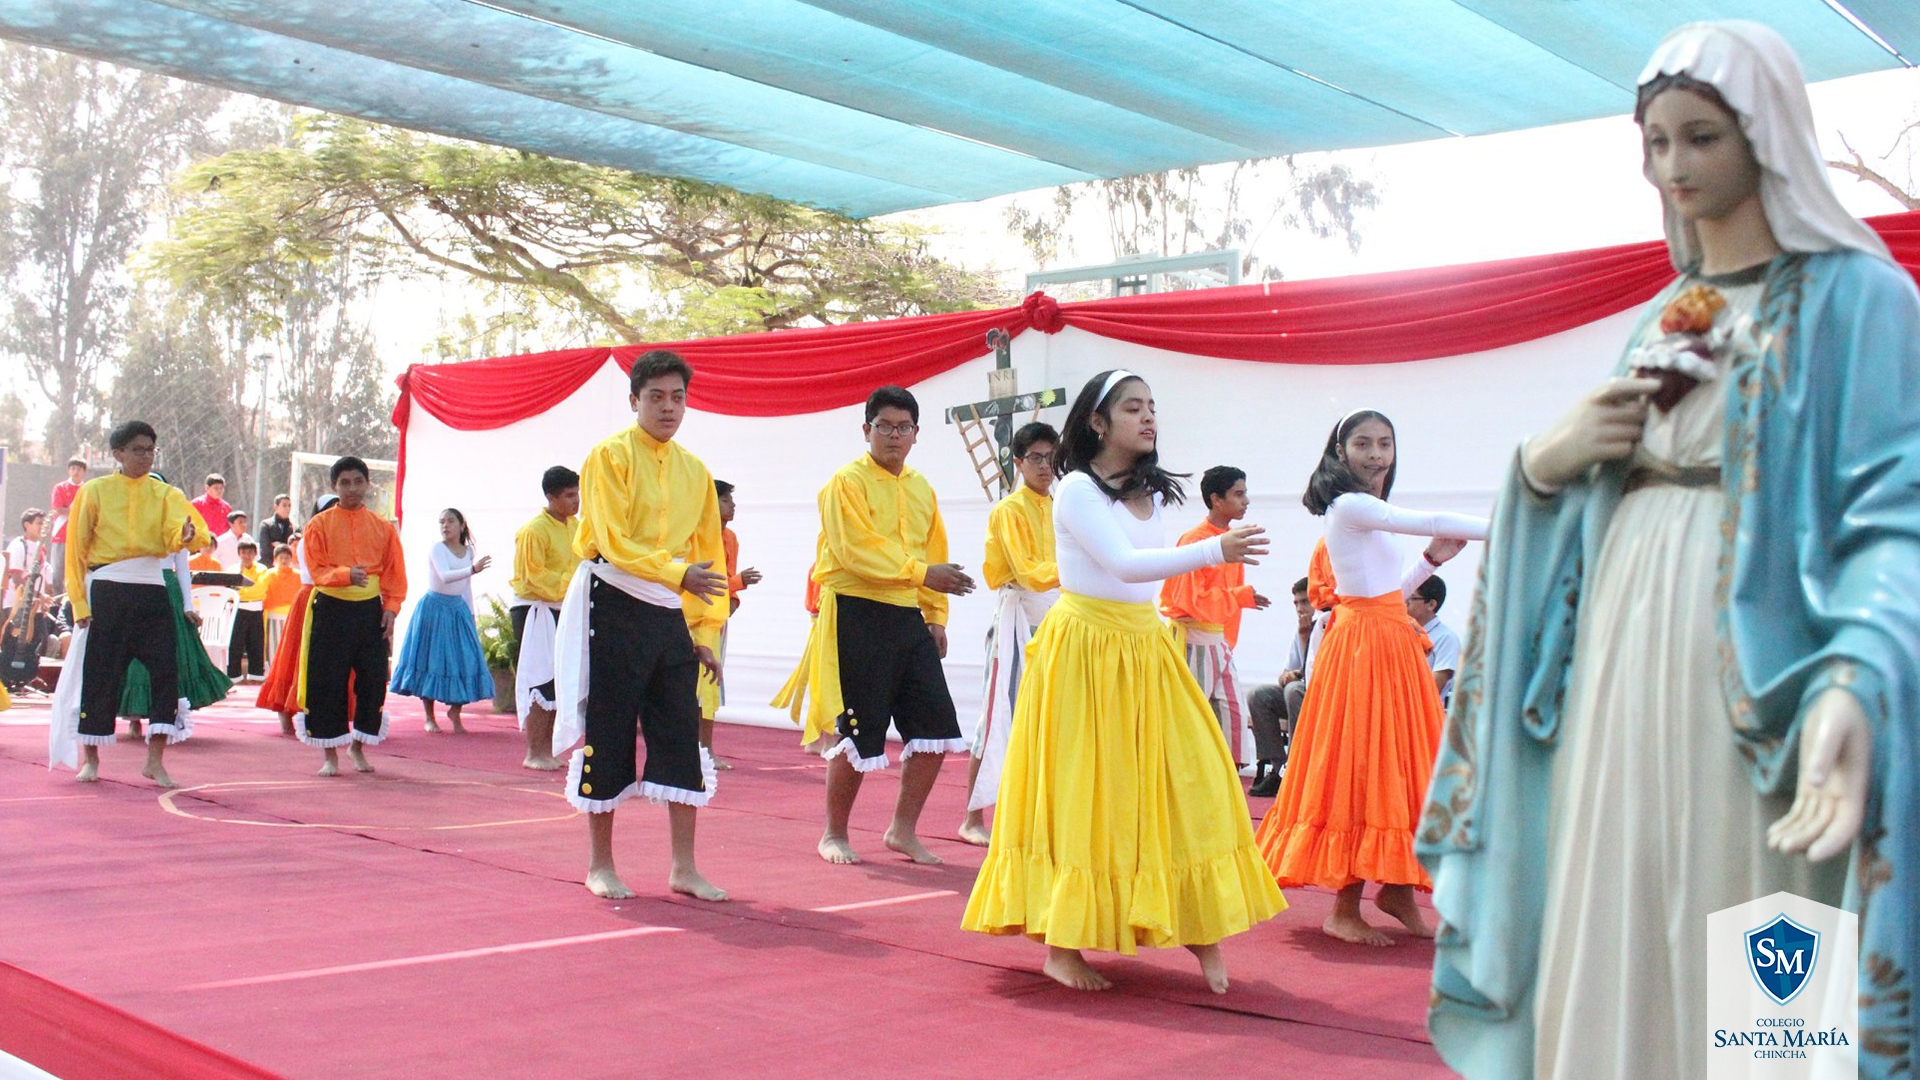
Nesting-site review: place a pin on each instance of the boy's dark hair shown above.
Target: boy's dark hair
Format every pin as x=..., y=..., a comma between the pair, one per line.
x=896, y=397
x=1217, y=481
x=248, y=545
x=722, y=489
x=346, y=465
x=282, y=549
x=231, y=514
x=1332, y=478
x=1300, y=586
x=32, y=515
x=121, y=437
x=80, y=461
x=558, y=479
x=1435, y=590
x=657, y=362
x=1036, y=432
x=216, y=478
x=283, y=497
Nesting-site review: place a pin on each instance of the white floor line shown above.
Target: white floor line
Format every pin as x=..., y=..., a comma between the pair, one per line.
x=885, y=903
x=438, y=958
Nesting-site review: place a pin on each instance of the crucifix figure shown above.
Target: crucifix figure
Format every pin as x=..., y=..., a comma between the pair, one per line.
x=991, y=448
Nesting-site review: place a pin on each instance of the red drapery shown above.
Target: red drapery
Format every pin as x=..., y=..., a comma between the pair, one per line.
x=1364, y=319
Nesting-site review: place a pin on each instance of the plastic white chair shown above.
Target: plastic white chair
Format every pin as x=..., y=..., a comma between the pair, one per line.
x=216, y=605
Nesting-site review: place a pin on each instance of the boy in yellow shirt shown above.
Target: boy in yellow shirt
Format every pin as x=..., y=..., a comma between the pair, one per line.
x=543, y=564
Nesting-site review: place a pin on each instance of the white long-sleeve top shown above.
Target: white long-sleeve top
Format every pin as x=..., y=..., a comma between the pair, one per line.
x=451, y=574
x=1105, y=552
x=1366, y=561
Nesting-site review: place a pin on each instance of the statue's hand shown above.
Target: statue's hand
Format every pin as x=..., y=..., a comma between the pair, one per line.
x=1836, y=764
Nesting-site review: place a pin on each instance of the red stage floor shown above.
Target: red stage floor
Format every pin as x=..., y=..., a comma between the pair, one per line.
x=428, y=920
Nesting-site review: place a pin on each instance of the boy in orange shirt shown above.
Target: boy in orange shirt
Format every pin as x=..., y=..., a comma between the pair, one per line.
x=1206, y=604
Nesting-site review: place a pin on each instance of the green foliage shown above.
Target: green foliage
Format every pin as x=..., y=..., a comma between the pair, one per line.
x=496, y=635
x=639, y=257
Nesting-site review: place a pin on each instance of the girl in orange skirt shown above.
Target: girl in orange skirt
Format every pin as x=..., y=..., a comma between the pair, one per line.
x=1369, y=729
x=280, y=692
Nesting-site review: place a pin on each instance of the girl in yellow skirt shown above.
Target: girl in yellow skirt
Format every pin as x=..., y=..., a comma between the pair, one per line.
x=1369, y=729
x=1121, y=820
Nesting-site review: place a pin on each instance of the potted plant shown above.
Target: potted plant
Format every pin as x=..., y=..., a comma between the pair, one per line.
x=496, y=641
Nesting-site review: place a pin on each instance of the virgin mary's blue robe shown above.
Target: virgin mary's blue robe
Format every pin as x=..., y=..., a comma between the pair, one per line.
x=1818, y=587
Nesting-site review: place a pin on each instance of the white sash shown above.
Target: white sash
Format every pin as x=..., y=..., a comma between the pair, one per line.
x=534, y=665
x=1018, y=613
x=63, y=727
x=570, y=663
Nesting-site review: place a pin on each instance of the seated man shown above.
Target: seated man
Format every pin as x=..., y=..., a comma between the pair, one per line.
x=1275, y=707
x=1423, y=607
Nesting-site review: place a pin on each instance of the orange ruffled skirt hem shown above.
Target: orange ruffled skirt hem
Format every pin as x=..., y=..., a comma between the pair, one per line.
x=1361, y=757
x=279, y=693
x=1121, y=821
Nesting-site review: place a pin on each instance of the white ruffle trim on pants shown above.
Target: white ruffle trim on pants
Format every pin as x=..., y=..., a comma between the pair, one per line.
x=933, y=746
x=300, y=732
x=860, y=764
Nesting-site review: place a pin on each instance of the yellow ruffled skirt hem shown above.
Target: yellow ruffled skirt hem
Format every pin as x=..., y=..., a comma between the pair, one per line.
x=1121, y=821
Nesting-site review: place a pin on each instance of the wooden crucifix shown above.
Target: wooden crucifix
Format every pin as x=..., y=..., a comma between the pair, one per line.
x=991, y=447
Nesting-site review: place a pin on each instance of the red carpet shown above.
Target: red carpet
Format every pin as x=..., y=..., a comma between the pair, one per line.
x=428, y=920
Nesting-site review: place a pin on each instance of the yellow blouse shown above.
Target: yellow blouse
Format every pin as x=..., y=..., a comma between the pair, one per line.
x=649, y=508
x=879, y=533
x=115, y=518
x=1020, y=542
x=543, y=558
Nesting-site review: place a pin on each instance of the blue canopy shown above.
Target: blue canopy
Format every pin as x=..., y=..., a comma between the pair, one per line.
x=872, y=106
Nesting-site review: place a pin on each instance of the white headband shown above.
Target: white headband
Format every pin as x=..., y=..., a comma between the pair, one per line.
x=1349, y=416
x=1119, y=376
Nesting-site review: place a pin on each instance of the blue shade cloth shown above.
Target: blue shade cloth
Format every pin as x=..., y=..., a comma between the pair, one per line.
x=874, y=106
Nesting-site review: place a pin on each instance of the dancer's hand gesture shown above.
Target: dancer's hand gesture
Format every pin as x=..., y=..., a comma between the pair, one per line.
x=1605, y=426
x=703, y=582
x=1442, y=548
x=1244, y=544
x=357, y=575
x=949, y=578
x=707, y=663
x=939, y=637
x=485, y=561
x=1836, y=762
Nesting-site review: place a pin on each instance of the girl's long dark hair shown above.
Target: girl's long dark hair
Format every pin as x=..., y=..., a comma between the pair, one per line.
x=1332, y=478
x=465, y=536
x=1079, y=444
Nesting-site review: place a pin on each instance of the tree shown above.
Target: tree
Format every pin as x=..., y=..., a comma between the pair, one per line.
x=1185, y=210
x=1856, y=166
x=641, y=257
x=89, y=144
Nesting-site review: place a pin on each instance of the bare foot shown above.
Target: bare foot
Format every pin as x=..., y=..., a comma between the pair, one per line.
x=1213, y=965
x=721, y=766
x=158, y=774
x=330, y=767
x=453, y=714
x=692, y=884
x=1354, y=929
x=975, y=833
x=606, y=885
x=433, y=727
x=359, y=757
x=1398, y=902
x=1068, y=968
x=286, y=723
x=544, y=764
x=909, y=845
x=836, y=849
x=134, y=731
x=89, y=772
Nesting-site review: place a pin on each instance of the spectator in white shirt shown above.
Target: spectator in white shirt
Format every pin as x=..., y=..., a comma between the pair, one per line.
x=1275, y=707
x=226, y=547
x=1444, y=658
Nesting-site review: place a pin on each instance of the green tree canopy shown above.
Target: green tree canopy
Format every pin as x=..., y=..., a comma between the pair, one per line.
x=644, y=257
